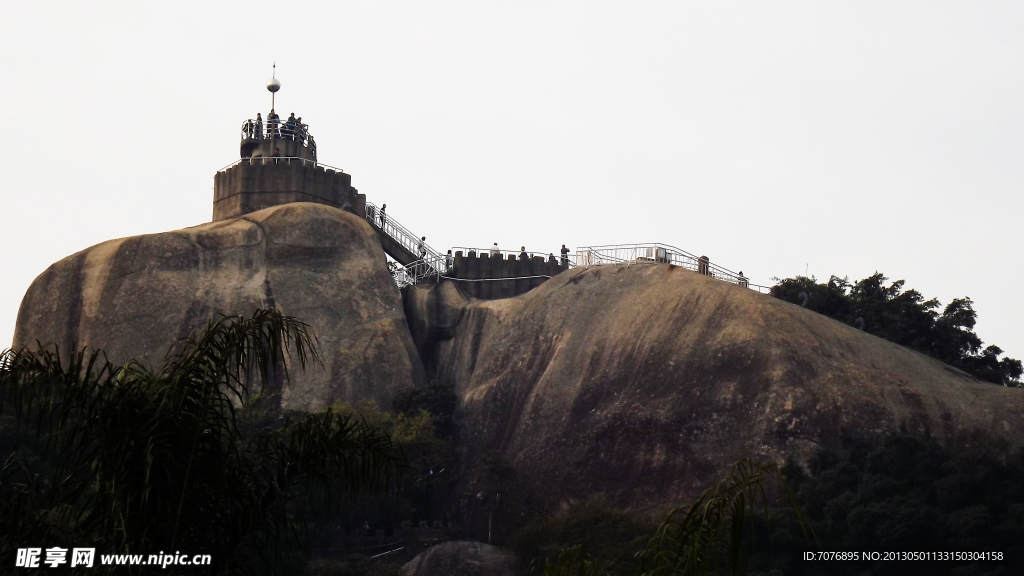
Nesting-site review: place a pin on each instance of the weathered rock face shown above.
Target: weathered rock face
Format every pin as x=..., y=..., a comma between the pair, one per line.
x=134, y=296
x=645, y=383
x=462, y=559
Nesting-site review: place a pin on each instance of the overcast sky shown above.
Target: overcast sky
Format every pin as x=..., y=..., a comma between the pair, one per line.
x=837, y=138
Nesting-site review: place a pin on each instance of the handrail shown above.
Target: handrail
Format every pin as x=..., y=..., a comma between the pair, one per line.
x=429, y=267
x=277, y=128
x=263, y=160
x=399, y=233
x=434, y=264
x=655, y=253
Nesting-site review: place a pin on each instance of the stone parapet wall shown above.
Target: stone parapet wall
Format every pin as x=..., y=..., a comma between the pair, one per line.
x=247, y=187
x=500, y=277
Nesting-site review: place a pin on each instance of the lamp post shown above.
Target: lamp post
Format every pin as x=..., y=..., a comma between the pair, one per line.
x=273, y=85
x=485, y=501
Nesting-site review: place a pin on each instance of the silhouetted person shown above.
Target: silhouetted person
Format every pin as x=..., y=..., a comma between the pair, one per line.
x=302, y=128
x=704, y=266
x=383, y=218
x=495, y=251
x=565, y=255
x=422, y=247
x=743, y=280
x=274, y=124
x=522, y=253
x=448, y=260
x=289, y=126
x=259, y=127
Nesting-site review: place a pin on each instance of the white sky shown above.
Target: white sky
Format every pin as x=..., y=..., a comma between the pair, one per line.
x=843, y=137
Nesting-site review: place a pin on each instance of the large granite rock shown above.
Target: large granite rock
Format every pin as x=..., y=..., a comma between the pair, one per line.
x=134, y=297
x=645, y=383
x=462, y=559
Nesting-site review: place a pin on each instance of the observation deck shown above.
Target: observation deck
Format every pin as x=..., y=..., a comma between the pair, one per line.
x=277, y=166
x=273, y=137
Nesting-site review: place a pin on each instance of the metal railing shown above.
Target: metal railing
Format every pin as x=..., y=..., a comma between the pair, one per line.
x=279, y=129
x=657, y=253
x=433, y=264
x=400, y=234
x=415, y=272
x=263, y=160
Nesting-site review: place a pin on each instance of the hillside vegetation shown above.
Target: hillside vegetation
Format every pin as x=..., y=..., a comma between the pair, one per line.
x=903, y=316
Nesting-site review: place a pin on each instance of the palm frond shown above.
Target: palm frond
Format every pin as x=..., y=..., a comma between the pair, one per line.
x=707, y=536
x=133, y=460
x=572, y=562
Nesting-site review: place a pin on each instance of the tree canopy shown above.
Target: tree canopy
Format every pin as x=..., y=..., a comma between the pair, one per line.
x=132, y=460
x=904, y=316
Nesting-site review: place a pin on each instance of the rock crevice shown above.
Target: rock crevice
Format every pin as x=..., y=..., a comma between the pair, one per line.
x=645, y=383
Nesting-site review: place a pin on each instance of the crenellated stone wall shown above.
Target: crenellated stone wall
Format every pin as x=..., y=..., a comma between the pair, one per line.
x=260, y=183
x=501, y=277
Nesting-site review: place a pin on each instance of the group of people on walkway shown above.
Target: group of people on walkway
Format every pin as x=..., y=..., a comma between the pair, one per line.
x=495, y=252
x=291, y=129
x=379, y=217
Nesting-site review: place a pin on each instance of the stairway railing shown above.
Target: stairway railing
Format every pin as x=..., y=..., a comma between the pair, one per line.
x=400, y=234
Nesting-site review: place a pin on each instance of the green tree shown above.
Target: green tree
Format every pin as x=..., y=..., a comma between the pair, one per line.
x=904, y=316
x=955, y=338
x=707, y=537
x=131, y=460
x=890, y=312
x=830, y=299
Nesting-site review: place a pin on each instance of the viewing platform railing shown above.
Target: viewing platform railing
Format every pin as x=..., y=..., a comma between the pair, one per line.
x=435, y=265
x=278, y=129
x=656, y=253
x=264, y=160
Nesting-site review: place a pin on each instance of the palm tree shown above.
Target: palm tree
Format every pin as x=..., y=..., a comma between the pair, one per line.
x=706, y=537
x=130, y=460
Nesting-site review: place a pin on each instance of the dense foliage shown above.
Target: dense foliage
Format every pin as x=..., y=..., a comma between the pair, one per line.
x=430, y=460
x=130, y=460
x=903, y=316
x=589, y=531
x=421, y=425
x=904, y=495
x=711, y=535
x=901, y=494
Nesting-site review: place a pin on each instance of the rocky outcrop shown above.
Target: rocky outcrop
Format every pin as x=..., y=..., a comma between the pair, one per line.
x=433, y=313
x=134, y=297
x=462, y=559
x=646, y=382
